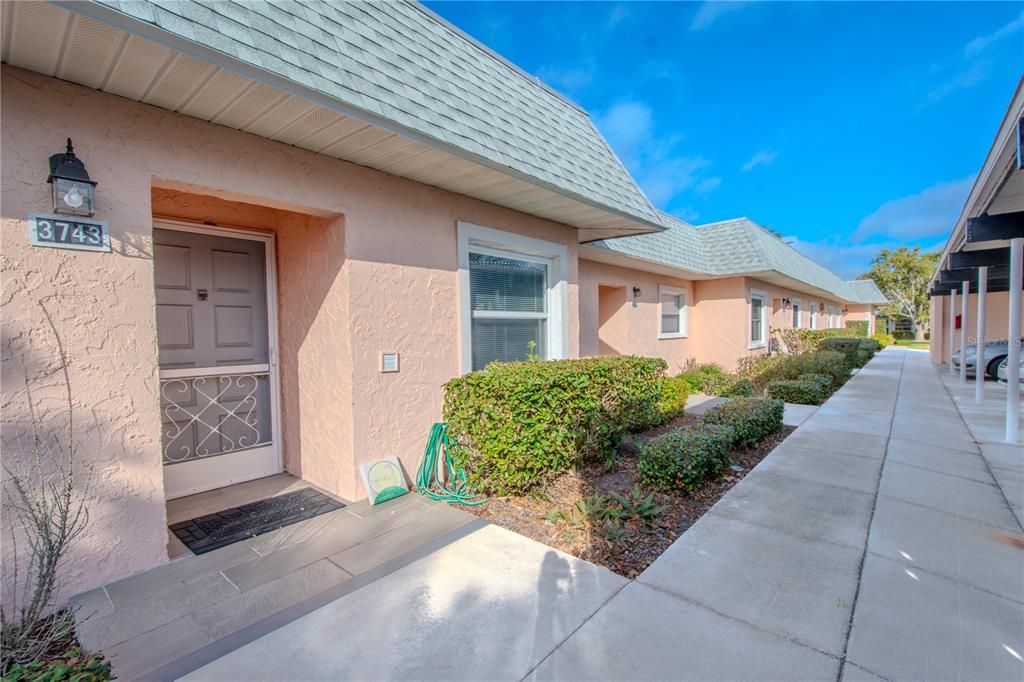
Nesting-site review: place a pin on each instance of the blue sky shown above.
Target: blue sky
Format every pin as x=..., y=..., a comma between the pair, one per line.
x=846, y=126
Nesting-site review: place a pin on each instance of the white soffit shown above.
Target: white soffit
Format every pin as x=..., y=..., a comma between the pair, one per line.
x=53, y=41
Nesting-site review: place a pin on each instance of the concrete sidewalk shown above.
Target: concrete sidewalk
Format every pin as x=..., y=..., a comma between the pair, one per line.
x=862, y=548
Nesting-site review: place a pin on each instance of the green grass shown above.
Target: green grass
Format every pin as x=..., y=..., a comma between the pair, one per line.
x=921, y=345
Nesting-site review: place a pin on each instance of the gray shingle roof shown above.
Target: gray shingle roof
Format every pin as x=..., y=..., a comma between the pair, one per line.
x=399, y=61
x=737, y=247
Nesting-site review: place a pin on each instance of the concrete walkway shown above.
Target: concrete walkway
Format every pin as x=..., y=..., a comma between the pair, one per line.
x=862, y=548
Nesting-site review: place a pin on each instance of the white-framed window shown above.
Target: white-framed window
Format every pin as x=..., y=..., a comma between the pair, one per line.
x=813, y=312
x=832, y=317
x=758, y=319
x=671, y=313
x=513, y=297
x=796, y=314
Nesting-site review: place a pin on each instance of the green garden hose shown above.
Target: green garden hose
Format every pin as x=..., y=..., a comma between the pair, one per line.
x=426, y=478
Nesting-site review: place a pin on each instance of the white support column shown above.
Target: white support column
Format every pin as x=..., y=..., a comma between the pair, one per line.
x=979, y=374
x=1013, y=335
x=963, y=334
x=952, y=328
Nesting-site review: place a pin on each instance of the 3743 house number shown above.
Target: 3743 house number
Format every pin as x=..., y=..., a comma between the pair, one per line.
x=64, y=233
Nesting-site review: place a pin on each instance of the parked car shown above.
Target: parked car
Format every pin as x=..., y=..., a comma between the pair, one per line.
x=994, y=353
x=1001, y=370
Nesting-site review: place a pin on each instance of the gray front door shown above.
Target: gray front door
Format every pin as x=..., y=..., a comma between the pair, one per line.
x=215, y=364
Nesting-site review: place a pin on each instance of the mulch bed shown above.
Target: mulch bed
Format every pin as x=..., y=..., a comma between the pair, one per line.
x=638, y=545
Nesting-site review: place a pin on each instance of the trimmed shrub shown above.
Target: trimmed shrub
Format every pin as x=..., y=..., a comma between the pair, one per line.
x=682, y=459
x=736, y=387
x=885, y=340
x=519, y=423
x=858, y=328
x=750, y=420
x=824, y=380
x=764, y=369
x=846, y=345
x=710, y=379
x=798, y=391
x=862, y=357
x=674, y=392
x=700, y=375
x=872, y=346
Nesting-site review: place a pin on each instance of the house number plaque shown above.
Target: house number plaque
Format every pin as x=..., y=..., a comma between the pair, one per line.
x=64, y=233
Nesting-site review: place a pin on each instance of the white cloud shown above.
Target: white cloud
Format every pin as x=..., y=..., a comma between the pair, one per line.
x=968, y=77
x=764, y=157
x=707, y=185
x=981, y=43
x=838, y=255
x=929, y=213
x=569, y=80
x=660, y=167
x=710, y=12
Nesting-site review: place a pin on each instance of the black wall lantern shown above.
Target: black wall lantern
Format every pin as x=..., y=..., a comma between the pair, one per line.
x=73, y=192
x=636, y=292
x=786, y=304
x=845, y=310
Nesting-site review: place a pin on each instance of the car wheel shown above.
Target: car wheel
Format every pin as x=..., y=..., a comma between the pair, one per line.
x=993, y=367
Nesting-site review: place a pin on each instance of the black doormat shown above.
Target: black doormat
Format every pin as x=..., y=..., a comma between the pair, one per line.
x=210, y=532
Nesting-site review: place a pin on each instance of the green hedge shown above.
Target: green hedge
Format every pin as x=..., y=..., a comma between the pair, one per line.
x=710, y=379
x=826, y=381
x=870, y=345
x=749, y=419
x=682, y=459
x=862, y=357
x=846, y=345
x=519, y=423
x=672, y=403
x=885, y=340
x=764, y=369
x=797, y=391
x=858, y=328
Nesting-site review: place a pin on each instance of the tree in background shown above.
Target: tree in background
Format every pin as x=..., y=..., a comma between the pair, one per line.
x=903, y=274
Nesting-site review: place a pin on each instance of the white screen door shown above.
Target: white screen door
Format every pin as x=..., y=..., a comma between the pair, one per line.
x=217, y=376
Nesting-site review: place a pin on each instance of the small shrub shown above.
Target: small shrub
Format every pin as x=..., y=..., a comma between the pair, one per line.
x=846, y=345
x=797, y=391
x=519, y=423
x=870, y=345
x=672, y=403
x=750, y=420
x=737, y=387
x=823, y=380
x=682, y=459
x=862, y=357
x=858, y=328
x=73, y=666
x=885, y=340
x=710, y=379
x=761, y=370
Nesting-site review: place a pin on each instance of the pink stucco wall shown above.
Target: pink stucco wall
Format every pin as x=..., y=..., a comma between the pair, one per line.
x=615, y=326
x=864, y=312
x=997, y=318
x=367, y=263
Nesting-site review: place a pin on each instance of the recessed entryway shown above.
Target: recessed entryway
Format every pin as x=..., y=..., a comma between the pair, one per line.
x=611, y=319
x=216, y=331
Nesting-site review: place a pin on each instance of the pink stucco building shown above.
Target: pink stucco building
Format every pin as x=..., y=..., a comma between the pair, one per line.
x=308, y=237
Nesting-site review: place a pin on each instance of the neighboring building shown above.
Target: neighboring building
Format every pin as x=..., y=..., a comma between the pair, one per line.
x=318, y=214
x=998, y=190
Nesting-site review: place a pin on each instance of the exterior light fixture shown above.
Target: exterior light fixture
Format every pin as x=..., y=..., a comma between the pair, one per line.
x=845, y=310
x=786, y=304
x=821, y=307
x=73, y=192
x=636, y=292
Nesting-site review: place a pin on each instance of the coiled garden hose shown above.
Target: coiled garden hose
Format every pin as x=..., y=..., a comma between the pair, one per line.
x=427, y=482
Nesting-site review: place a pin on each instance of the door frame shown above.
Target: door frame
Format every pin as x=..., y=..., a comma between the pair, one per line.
x=269, y=252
